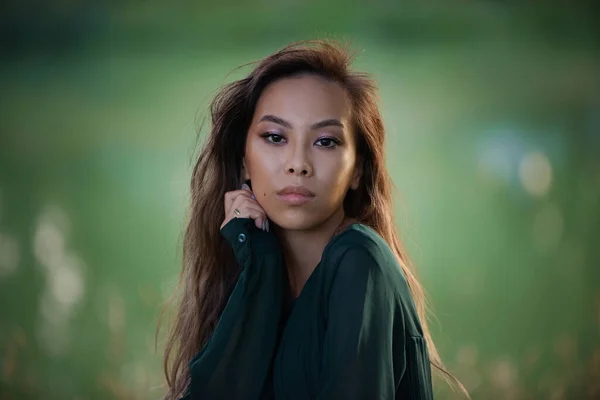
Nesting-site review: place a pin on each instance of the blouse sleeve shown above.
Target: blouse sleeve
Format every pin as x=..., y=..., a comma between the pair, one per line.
x=236, y=361
x=364, y=353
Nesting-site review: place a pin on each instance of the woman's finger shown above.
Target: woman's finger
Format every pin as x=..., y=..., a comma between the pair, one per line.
x=247, y=188
x=245, y=202
x=248, y=208
x=231, y=196
x=265, y=223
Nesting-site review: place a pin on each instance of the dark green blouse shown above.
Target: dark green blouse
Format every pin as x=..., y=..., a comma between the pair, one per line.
x=353, y=333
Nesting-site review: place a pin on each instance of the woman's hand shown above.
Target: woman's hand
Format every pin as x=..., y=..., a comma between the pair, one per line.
x=244, y=201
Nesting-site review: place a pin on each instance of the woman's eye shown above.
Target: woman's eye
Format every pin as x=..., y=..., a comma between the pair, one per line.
x=328, y=142
x=273, y=137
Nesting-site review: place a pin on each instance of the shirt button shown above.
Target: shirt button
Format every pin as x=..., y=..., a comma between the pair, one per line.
x=241, y=238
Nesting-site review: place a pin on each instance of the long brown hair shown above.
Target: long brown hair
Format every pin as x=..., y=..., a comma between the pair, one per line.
x=209, y=270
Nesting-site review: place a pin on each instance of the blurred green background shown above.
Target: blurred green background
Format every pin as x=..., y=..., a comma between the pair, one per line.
x=493, y=117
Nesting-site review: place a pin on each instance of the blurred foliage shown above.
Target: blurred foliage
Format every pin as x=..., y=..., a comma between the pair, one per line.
x=493, y=117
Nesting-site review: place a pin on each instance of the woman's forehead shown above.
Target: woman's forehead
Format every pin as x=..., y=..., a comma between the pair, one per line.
x=304, y=99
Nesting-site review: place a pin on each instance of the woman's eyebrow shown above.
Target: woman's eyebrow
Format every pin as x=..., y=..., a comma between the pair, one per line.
x=276, y=120
x=318, y=125
x=327, y=122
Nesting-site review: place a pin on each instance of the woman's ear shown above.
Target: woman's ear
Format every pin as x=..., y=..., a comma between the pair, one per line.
x=245, y=175
x=358, y=174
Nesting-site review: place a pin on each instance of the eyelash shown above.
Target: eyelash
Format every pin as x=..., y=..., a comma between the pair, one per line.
x=268, y=135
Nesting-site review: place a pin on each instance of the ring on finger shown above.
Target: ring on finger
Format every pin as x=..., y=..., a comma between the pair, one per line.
x=237, y=212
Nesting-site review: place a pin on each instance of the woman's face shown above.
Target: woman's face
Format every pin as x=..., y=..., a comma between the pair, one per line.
x=301, y=135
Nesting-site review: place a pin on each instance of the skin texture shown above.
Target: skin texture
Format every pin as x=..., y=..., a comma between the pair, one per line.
x=289, y=143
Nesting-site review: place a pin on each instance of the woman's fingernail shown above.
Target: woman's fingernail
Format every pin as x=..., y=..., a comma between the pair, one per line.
x=267, y=224
x=252, y=195
x=245, y=187
x=263, y=226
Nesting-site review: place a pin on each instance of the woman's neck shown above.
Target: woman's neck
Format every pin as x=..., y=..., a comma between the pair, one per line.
x=303, y=249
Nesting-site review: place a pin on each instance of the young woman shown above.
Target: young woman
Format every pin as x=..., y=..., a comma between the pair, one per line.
x=295, y=283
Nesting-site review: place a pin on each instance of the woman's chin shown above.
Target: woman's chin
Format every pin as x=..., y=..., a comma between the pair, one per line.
x=297, y=221
x=294, y=225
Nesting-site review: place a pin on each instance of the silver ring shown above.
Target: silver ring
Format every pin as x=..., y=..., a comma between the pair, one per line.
x=237, y=212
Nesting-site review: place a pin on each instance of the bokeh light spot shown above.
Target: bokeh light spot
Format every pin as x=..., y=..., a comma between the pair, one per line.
x=535, y=173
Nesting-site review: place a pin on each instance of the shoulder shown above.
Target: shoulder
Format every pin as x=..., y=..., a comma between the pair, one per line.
x=359, y=239
x=359, y=256
x=360, y=249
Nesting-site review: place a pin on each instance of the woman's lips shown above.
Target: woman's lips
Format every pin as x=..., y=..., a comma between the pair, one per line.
x=295, y=199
